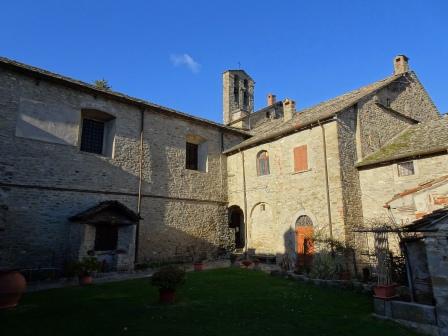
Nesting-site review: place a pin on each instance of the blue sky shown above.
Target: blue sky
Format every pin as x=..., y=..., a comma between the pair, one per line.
x=174, y=52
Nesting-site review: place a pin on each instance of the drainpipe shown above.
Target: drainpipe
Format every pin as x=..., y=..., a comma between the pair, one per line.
x=245, y=205
x=140, y=184
x=327, y=183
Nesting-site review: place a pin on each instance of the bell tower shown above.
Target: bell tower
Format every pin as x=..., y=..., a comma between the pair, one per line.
x=238, y=97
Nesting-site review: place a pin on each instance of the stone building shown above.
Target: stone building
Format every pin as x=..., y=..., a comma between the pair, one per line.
x=307, y=173
x=67, y=147
x=90, y=171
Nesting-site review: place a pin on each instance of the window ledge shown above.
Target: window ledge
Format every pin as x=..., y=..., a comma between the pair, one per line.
x=195, y=171
x=301, y=172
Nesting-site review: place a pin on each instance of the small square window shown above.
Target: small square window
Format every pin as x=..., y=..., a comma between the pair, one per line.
x=92, y=136
x=406, y=168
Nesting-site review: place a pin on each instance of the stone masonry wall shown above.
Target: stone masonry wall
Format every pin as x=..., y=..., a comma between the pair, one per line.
x=42, y=183
x=351, y=193
x=378, y=125
x=285, y=194
x=380, y=184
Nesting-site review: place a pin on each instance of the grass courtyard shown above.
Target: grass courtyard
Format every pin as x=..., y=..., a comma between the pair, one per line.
x=216, y=302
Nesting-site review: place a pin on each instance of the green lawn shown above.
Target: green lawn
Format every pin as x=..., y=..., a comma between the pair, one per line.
x=218, y=302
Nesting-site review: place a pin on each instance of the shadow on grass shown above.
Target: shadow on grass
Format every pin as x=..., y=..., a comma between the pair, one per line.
x=216, y=302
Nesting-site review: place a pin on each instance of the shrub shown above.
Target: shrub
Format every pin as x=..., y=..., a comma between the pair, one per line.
x=324, y=266
x=86, y=266
x=168, y=278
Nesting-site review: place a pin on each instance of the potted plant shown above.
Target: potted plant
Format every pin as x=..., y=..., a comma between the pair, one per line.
x=85, y=267
x=12, y=284
x=198, y=257
x=168, y=279
x=384, y=289
x=246, y=263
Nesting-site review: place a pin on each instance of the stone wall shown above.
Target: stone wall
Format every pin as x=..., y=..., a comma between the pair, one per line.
x=44, y=181
x=351, y=191
x=285, y=193
x=377, y=117
x=379, y=184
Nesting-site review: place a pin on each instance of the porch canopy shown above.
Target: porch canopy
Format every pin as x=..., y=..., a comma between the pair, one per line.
x=111, y=213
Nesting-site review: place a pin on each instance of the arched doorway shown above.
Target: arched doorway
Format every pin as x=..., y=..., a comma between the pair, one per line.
x=236, y=222
x=304, y=241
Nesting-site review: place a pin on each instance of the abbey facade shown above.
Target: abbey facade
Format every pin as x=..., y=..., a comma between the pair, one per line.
x=87, y=171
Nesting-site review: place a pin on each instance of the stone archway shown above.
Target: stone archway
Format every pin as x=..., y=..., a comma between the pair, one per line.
x=236, y=222
x=262, y=230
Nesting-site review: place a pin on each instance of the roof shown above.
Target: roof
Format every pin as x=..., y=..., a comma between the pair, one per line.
x=67, y=81
x=421, y=186
x=318, y=113
x=425, y=138
x=427, y=223
x=107, y=212
x=239, y=70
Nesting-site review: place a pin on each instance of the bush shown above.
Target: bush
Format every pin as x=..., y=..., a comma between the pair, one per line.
x=324, y=266
x=168, y=278
x=86, y=266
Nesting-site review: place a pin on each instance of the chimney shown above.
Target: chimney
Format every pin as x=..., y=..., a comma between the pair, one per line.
x=271, y=99
x=401, y=64
x=289, y=109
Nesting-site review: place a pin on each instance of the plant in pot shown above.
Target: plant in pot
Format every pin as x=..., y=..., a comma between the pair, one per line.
x=85, y=267
x=246, y=263
x=12, y=286
x=168, y=279
x=198, y=256
x=384, y=289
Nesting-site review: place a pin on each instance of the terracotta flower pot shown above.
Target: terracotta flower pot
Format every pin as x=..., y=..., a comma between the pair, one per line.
x=246, y=263
x=198, y=266
x=384, y=291
x=85, y=280
x=12, y=286
x=167, y=295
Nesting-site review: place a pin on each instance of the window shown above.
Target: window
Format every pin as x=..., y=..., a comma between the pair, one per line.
x=192, y=156
x=301, y=158
x=97, y=132
x=106, y=238
x=406, y=168
x=236, y=89
x=92, y=136
x=196, y=153
x=263, y=163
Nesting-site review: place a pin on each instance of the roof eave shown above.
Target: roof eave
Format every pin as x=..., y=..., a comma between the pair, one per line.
x=385, y=161
x=79, y=85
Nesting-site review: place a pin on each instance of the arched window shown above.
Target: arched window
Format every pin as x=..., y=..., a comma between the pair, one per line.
x=263, y=163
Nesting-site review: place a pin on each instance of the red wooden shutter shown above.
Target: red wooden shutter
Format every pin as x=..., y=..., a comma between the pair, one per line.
x=300, y=158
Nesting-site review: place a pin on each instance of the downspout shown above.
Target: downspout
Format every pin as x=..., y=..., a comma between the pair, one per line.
x=327, y=183
x=245, y=204
x=140, y=185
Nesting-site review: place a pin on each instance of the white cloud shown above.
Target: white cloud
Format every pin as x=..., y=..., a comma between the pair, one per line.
x=185, y=60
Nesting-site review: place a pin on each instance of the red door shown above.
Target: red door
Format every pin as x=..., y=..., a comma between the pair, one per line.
x=304, y=246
